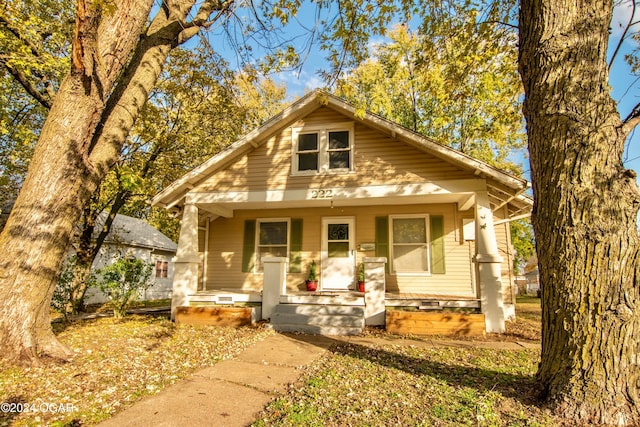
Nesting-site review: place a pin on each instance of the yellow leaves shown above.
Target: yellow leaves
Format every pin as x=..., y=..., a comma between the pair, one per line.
x=118, y=363
x=449, y=81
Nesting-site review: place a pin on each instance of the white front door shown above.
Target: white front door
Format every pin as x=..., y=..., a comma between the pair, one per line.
x=338, y=253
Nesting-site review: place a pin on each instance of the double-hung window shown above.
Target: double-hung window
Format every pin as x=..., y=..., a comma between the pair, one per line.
x=272, y=239
x=319, y=150
x=162, y=269
x=307, y=152
x=409, y=244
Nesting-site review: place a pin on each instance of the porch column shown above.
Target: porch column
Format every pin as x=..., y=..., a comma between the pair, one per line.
x=275, y=283
x=374, y=290
x=489, y=262
x=185, y=273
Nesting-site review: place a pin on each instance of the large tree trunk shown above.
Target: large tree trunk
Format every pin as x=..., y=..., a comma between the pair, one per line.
x=89, y=120
x=60, y=180
x=584, y=216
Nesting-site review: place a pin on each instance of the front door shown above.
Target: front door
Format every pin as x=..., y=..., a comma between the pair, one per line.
x=338, y=253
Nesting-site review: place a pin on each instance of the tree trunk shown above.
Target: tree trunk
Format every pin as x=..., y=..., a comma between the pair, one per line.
x=60, y=180
x=36, y=236
x=584, y=216
x=114, y=67
x=87, y=247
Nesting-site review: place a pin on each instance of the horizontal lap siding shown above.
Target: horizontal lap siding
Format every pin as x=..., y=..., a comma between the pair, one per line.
x=504, y=247
x=379, y=160
x=226, y=236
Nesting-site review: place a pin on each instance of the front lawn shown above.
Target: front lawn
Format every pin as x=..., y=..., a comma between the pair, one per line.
x=117, y=362
x=400, y=385
x=395, y=385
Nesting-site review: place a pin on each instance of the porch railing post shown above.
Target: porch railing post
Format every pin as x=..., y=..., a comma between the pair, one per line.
x=275, y=283
x=374, y=287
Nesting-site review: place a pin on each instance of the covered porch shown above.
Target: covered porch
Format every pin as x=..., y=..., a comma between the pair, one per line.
x=337, y=312
x=472, y=203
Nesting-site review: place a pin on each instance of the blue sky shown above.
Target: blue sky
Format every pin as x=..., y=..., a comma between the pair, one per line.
x=625, y=87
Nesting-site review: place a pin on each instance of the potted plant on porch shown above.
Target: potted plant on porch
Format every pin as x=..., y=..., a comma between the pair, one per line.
x=312, y=280
x=361, y=277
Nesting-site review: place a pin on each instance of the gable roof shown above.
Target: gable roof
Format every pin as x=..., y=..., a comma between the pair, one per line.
x=175, y=193
x=130, y=231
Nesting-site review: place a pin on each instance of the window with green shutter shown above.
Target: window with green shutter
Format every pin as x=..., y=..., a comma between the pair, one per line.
x=415, y=244
x=272, y=237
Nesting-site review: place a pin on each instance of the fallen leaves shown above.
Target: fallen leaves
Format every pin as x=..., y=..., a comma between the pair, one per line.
x=117, y=362
x=399, y=385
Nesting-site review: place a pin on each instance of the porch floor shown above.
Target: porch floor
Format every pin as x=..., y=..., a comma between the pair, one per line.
x=349, y=297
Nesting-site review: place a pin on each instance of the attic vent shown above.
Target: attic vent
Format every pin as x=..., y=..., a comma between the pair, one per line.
x=225, y=300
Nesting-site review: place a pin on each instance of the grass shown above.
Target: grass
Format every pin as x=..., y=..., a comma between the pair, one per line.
x=395, y=385
x=528, y=326
x=118, y=362
x=400, y=385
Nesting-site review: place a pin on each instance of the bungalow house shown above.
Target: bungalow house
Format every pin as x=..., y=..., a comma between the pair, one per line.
x=324, y=182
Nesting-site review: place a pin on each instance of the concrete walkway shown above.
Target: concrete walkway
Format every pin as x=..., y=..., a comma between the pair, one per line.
x=232, y=392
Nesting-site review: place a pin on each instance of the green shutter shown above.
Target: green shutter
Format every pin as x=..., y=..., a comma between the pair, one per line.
x=249, y=246
x=382, y=239
x=437, y=244
x=295, y=246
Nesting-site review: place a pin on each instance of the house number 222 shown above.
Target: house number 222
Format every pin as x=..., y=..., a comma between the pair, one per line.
x=321, y=194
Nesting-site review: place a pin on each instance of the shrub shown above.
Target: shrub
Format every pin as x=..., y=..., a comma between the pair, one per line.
x=69, y=293
x=122, y=281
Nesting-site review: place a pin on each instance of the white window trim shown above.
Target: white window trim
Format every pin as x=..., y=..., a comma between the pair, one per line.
x=323, y=148
x=392, y=269
x=259, y=221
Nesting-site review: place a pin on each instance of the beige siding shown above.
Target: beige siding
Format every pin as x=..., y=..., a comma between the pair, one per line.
x=378, y=159
x=503, y=237
x=226, y=237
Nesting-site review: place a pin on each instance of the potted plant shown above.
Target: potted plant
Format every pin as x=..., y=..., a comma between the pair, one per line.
x=312, y=280
x=361, y=277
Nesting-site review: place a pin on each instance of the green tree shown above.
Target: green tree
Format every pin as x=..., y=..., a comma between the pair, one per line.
x=122, y=282
x=523, y=242
x=38, y=38
x=454, y=80
x=34, y=56
x=194, y=112
x=585, y=214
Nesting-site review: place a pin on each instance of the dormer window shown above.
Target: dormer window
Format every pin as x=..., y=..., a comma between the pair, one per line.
x=317, y=150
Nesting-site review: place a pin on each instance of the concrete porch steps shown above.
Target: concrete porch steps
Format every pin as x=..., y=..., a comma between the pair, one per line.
x=318, y=319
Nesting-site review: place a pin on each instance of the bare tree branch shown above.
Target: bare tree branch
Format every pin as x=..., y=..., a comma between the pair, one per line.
x=624, y=33
x=28, y=86
x=632, y=120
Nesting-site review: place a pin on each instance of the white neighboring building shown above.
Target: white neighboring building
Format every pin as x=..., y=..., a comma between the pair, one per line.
x=134, y=237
